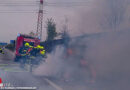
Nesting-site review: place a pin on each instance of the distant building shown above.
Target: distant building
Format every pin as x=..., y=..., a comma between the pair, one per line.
x=3, y=43
x=12, y=41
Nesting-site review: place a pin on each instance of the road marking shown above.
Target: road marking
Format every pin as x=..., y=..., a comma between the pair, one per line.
x=53, y=84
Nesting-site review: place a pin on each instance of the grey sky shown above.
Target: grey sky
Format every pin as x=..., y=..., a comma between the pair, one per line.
x=13, y=23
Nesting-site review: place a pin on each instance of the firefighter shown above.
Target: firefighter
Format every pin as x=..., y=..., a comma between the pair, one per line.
x=31, y=51
x=1, y=51
x=38, y=47
x=42, y=52
x=28, y=45
x=38, y=50
x=25, y=50
x=25, y=53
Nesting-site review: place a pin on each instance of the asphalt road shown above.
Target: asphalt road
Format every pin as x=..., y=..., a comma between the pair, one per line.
x=17, y=77
x=12, y=74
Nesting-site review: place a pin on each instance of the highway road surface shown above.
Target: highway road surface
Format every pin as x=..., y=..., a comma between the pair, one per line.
x=11, y=74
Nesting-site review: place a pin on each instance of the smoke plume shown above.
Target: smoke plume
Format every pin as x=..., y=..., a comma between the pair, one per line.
x=106, y=47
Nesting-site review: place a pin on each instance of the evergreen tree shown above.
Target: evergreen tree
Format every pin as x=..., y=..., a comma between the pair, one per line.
x=51, y=29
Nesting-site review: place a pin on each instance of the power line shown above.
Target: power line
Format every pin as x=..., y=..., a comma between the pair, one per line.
x=18, y=12
x=14, y=11
x=36, y=3
x=19, y=1
x=18, y=5
x=46, y=4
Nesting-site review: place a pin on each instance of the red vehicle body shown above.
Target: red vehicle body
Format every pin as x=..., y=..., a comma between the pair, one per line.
x=21, y=40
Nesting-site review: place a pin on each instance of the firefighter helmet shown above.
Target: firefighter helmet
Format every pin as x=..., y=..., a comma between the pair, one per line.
x=38, y=46
x=41, y=47
x=27, y=45
x=42, y=52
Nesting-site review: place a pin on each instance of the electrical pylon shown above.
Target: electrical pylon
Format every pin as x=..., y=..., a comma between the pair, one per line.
x=40, y=21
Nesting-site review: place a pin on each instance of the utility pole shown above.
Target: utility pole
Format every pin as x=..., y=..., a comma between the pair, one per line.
x=40, y=21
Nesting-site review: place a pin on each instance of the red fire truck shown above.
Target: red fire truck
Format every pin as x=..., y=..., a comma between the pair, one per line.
x=21, y=40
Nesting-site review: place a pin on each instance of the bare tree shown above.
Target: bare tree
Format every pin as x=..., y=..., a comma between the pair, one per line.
x=113, y=13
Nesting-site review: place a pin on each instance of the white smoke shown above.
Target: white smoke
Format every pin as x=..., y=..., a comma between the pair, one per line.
x=108, y=52
x=52, y=65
